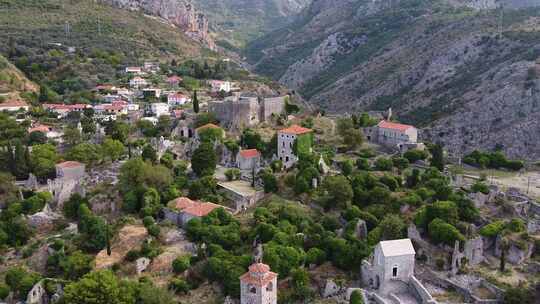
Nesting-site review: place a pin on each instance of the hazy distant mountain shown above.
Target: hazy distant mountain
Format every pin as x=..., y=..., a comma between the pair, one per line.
x=437, y=63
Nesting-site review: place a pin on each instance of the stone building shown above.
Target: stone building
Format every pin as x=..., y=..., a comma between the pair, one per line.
x=286, y=140
x=389, y=273
x=70, y=170
x=258, y=285
x=181, y=210
x=393, y=135
x=248, y=159
x=237, y=112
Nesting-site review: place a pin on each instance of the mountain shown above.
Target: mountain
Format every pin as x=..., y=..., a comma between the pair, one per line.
x=441, y=65
x=181, y=13
x=12, y=81
x=74, y=45
x=239, y=21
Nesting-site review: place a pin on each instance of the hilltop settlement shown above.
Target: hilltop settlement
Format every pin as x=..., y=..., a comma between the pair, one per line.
x=179, y=182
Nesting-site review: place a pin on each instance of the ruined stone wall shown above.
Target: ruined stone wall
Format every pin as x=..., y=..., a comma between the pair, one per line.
x=269, y=106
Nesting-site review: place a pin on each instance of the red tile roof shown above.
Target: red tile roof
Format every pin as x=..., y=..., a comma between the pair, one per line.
x=259, y=274
x=201, y=209
x=40, y=128
x=174, y=78
x=394, y=126
x=182, y=203
x=249, y=153
x=69, y=164
x=296, y=130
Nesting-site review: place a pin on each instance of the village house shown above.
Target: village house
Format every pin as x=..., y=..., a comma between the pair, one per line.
x=240, y=193
x=159, y=109
x=64, y=109
x=286, y=141
x=133, y=70
x=14, y=105
x=220, y=85
x=175, y=99
x=45, y=129
x=258, y=285
x=394, y=135
x=174, y=80
x=248, y=159
x=151, y=92
x=70, y=170
x=151, y=66
x=389, y=272
x=181, y=210
x=137, y=82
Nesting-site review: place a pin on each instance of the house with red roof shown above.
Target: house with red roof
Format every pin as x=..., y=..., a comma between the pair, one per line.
x=174, y=99
x=64, y=109
x=248, y=159
x=181, y=210
x=174, y=80
x=14, y=105
x=393, y=135
x=286, y=143
x=258, y=285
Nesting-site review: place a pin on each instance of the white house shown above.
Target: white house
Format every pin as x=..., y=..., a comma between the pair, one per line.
x=286, y=139
x=258, y=285
x=393, y=135
x=220, y=85
x=14, y=105
x=159, y=109
x=137, y=82
x=45, y=129
x=133, y=70
x=64, y=109
x=70, y=170
x=176, y=99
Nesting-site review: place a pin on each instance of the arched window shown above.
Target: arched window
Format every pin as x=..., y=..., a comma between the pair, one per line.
x=270, y=287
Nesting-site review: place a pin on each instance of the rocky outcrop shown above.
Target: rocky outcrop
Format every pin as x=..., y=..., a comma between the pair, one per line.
x=181, y=13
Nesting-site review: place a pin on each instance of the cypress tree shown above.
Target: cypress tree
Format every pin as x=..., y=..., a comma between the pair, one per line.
x=195, y=102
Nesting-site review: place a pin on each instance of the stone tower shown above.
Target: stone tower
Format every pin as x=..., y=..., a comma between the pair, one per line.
x=258, y=285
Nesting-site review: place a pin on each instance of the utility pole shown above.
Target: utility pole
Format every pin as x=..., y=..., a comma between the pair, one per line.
x=67, y=29
x=501, y=18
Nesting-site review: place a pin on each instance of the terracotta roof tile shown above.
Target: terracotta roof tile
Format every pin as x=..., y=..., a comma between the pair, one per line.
x=13, y=103
x=249, y=153
x=40, y=128
x=201, y=209
x=394, y=126
x=259, y=274
x=182, y=203
x=209, y=125
x=296, y=130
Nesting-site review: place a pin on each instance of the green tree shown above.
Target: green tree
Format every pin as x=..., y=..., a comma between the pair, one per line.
x=204, y=159
x=392, y=227
x=93, y=229
x=20, y=280
x=87, y=153
x=113, y=149
x=338, y=189
x=356, y=298
x=151, y=203
x=149, y=154
x=72, y=136
x=43, y=159
x=195, y=102
x=99, y=287
x=442, y=232
x=37, y=138
x=181, y=264
x=437, y=157
x=76, y=265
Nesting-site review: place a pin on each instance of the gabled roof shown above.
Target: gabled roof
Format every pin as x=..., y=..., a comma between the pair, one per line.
x=397, y=247
x=394, y=126
x=200, y=209
x=295, y=130
x=181, y=203
x=40, y=128
x=249, y=153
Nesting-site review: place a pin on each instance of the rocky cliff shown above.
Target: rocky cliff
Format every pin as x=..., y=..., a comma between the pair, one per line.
x=181, y=13
x=440, y=65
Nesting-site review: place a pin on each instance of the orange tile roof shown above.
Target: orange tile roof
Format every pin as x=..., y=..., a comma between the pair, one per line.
x=69, y=164
x=259, y=274
x=393, y=126
x=182, y=203
x=295, y=130
x=40, y=128
x=201, y=209
x=249, y=153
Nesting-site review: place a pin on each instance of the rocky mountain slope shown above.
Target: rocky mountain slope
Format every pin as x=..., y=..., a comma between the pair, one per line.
x=181, y=13
x=439, y=64
x=12, y=81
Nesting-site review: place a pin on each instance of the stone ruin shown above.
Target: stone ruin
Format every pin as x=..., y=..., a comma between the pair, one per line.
x=63, y=189
x=44, y=219
x=473, y=254
x=38, y=294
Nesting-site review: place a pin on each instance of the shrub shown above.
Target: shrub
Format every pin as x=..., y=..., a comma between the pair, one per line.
x=181, y=264
x=415, y=155
x=356, y=298
x=383, y=164
x=517, y=225
x=442, y=232
x=480, y=187
x=179, y=286
x=315, y=256
x=492, y=229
